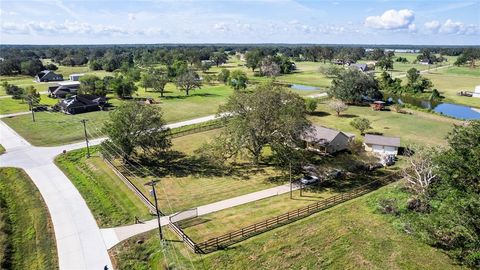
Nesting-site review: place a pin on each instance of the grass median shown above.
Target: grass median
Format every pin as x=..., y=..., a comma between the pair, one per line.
x=27, y=238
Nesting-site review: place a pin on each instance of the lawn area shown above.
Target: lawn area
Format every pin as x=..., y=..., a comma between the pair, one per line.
x=26, y=234
x=450, y=81
x=187, y=185
x=110, y=200
x=215, y=224
x=186, y=181
x=68, y=127
x=418, y=127
x=23, y=81
x=9, y=105
x=349, y=236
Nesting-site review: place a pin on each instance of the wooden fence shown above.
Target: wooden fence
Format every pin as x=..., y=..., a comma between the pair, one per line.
x=214, y=125
x=236, y=236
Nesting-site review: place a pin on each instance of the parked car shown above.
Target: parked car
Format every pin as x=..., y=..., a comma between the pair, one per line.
x=309, y=179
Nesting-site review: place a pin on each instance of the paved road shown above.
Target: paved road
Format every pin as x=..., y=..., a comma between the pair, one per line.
x=13, y=114
x=113, y=236
x=80, y=244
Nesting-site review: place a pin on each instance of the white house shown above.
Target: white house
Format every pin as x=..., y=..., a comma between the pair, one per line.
x=476, y=93
x=75, y=77
x=381, y=144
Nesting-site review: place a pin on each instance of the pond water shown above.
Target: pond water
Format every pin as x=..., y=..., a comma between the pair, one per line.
x=450, y=109
x=303, y=87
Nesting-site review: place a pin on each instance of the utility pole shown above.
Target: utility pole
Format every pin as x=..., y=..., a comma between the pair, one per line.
x=152, y=184
x=291, y=184
x=84, y=121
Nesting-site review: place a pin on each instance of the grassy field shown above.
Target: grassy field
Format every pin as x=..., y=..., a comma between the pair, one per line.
x=418, y=127
x=110, y=200
x=349, y=236
x=9, y=105
x=450, y=81
x=26, y=234
x=189, y=182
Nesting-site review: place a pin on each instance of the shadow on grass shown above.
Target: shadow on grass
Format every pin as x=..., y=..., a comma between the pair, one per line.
x=348, y=115
x=192, y=95
x=193, y=222
x=321, y=114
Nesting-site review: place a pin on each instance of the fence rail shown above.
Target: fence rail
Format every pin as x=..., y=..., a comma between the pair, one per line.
x=130, y=185
x=236, y=236
x=185, y=238
x=216, y=124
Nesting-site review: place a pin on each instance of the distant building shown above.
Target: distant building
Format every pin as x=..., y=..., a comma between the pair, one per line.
x=80, y=104
x=62, y=89
x=382, y=145
x=48, y=76
x=476, y=93
x=425, y=62
x=325, y=140
x=76, y=77
x=361, y=67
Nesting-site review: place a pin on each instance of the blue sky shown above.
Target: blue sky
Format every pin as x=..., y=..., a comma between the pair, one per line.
x=240, y=21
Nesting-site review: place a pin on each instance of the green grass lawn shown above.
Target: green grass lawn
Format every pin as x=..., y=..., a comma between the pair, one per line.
x=450, y=81
x=418, y=127
x=187, y=185
x=110, y=200
x=26, y=234
x=186, y=182
x=9, y=105
x=349, y=236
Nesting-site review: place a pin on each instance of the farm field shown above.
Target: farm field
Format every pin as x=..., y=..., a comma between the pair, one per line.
x=26, y=234
x=347, y=236
x=416, y=128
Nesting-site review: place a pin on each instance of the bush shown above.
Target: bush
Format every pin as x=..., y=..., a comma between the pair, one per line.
x=388, y=206
x=311, y=105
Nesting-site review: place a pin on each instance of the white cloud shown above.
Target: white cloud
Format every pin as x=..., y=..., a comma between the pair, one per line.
x=71, y=28
x=450, y=27
x=221, y=26
x=432, y=26
x=412, y=28
x=131, y=17
x=392, y=20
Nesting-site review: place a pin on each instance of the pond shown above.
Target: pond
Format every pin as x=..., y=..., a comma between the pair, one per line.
x=303, y=87
x=449, y=109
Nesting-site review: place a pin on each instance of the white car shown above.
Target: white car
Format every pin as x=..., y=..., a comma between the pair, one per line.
x=308, y=179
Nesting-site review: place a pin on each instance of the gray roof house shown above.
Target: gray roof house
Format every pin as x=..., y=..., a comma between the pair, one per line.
x=48, y=76
x=62, y=89
x=361, y=67
x=381, y=144
x=325, y=140
x=81, y=104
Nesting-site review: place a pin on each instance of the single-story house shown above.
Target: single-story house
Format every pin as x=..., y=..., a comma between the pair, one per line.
x=326, y=140
x=476, y=93
x=76, y=77
x=361, y=67
x=48, y=76
x=381, y=144
x=62, y=89
x=80, y=104
x=425, y=62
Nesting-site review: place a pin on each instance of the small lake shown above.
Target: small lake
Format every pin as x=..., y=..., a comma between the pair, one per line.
x=449, y=109
x=303, y=87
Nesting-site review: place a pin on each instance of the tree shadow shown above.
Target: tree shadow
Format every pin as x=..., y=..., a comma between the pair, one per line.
x=348, y=115
x=321, y=114
x=192, y=95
